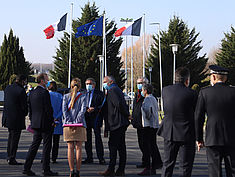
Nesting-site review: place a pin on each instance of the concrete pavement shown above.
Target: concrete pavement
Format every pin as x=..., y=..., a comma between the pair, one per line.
x=200, y=168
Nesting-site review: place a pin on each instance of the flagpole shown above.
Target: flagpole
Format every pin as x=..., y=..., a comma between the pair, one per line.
x=144, y=45
x=70, y=47
x=104, y=46
x=132, y=72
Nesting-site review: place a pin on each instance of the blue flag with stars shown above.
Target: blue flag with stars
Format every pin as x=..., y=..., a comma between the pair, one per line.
x=93, y=28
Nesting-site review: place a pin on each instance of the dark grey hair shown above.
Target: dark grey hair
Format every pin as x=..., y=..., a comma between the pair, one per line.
x=148, y=87
x=182, y=74
x=91, y=79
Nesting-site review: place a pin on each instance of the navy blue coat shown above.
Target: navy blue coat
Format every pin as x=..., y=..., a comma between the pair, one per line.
x=40, y=109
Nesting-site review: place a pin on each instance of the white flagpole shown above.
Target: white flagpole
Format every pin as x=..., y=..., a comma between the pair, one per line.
x=70, y=47
x=160, y=64
x=132, y=71
x=104, y=46
x=144, y=45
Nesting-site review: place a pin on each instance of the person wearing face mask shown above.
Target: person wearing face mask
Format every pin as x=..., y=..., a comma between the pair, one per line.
x=94, y=120
x=177, y=127
x=137, y=117
x=150, y=124
x=42, y=122
x=14, y=113
x=116, y=119
x=217, y=102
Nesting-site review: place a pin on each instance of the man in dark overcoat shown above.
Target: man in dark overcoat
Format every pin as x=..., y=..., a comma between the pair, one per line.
x=177, y=127
x=42, y=122
x=116, y=122
x=14, y=112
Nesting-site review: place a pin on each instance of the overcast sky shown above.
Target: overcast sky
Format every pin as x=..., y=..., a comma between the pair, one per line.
x=28, y=19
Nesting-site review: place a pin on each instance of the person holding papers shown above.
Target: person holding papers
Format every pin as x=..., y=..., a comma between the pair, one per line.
x=74, y=108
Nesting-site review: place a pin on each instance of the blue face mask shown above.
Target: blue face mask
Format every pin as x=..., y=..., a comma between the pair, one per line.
x=89, y=87
x=48, y=84
x=142, y=93
x=105, y=86
x=139, y=86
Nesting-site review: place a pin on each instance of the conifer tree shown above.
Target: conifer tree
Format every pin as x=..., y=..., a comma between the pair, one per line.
x=12, y=60
x=187, y=54
x=226, y=56
x=85, y=51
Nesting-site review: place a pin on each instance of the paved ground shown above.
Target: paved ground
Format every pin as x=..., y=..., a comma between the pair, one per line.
x=133, y=156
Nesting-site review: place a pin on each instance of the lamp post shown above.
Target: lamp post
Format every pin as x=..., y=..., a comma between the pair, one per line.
x=174, y=50
x=150, y=74
x=101, y=59
x=126, y=20
x=160, y=60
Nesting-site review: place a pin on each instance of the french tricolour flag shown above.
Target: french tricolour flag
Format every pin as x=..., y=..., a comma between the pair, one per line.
x=132, y=28
x=58, y=26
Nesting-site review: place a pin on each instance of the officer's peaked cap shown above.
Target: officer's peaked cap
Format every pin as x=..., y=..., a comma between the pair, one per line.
x=215, y=69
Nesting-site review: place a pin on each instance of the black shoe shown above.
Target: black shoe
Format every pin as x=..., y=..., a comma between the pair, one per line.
x=77, y=174
x=140, y=166
x=50, y=173
x=108, y=172
x=86, y=161
x=14, y=162
x=102, y=162
x=72, y=174
x=29, y=173
x=54, y=161
x=119, y=173
x=159, y=166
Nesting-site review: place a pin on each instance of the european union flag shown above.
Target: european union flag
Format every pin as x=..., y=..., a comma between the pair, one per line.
x=93, y=28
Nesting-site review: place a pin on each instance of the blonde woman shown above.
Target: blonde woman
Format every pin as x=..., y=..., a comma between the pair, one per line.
x=74, y=108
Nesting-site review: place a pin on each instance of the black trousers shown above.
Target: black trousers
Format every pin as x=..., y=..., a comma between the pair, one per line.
x=150, y=148
x=140, y=136
x=116, y=144
x=12, y=145
x=98, y=143
x=38, y=136
x=55, y=146
x=186, y=152
x=215, y=155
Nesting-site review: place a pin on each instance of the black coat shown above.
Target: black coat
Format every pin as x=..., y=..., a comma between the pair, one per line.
x=218, y=102
x=40, y=109
x=116, y=110
x=15, y=107
x=136, y=114
x=95, y=117
x=179, y=104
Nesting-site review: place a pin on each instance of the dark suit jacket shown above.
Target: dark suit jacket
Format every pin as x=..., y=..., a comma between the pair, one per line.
x=116, y=109
x=96, y=102
x=179, y=104
x=40, y=109
x=136, y=114
x=218, y=102
x=15, y=107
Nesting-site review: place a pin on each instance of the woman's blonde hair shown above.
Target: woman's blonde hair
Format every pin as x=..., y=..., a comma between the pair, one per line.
x=75, y=87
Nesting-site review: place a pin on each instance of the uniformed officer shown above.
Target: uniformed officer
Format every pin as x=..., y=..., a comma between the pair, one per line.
x=217, y=102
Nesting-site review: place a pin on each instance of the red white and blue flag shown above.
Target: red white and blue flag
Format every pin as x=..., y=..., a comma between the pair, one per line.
x=132, y=28
x=58, y=26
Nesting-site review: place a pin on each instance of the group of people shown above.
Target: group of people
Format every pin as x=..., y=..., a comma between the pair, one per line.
x=80, y=111
x=185, y=114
